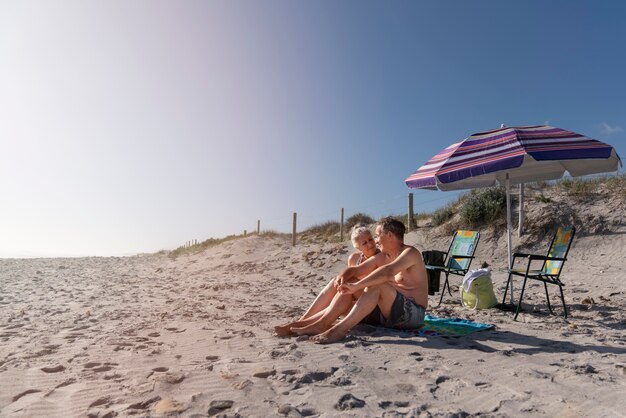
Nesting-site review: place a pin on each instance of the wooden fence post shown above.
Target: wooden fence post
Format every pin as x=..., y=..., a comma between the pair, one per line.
x=258, y=227
x=341, y=227
x=293, y=231
x=410, y=219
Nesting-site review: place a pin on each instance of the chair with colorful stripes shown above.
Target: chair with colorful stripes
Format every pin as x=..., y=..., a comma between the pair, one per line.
x=550, y=271
x=458, y=258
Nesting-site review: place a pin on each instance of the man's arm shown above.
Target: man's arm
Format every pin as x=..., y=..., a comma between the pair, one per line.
x=361, y=270
x=409, y=257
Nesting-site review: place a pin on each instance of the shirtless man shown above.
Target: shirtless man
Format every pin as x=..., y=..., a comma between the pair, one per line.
x=394, y=285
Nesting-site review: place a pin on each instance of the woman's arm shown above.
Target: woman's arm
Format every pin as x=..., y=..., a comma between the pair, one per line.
x=363, y=269
x=409, y=257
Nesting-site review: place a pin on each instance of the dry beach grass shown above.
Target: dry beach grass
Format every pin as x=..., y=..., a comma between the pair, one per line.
x=153, y=335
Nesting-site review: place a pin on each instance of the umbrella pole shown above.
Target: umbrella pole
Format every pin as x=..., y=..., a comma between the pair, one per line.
x=508, y=227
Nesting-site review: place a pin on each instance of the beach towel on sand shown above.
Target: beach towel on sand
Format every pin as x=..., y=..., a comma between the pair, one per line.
x=448, y=327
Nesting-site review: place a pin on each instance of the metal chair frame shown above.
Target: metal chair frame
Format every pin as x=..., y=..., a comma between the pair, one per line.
x=540, y=275
x=447, y=268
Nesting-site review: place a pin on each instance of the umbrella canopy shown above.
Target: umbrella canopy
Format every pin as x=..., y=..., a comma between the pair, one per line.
x=514, y=155
x=526, y=153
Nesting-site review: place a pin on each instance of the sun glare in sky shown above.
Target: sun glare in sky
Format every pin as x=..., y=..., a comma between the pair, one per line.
x=131, y=127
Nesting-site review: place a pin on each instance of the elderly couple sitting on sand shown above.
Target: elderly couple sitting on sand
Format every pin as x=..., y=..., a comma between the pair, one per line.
x=385, y=286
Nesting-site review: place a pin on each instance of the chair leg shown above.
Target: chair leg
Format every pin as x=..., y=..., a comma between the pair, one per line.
x=563, y=300
x=545, y=285
x=443, y=291
x=519, y=303
x=506, y=289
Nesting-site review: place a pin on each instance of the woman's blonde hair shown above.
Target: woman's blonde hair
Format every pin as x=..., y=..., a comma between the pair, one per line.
x=357, y=230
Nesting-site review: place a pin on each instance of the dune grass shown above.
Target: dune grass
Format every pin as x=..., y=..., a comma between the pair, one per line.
x=201, y=246
x=586, y=189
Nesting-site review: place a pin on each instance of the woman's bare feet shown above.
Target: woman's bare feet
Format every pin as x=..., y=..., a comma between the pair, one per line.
x=315, y=328
x=283, y=330
x=328, y=337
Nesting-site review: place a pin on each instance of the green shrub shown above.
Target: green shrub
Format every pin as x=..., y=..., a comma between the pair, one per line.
x=442, y=215
x=538, y=185
x=579, y=189
x=617, y=185
x=271, y=233
x=192, y=249
x=358, y=218
x=421, y=216
x=543, y=199
x=326, y=229
x=484, y=205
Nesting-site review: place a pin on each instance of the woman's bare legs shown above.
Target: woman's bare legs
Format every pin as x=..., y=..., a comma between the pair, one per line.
x=322, y=301
x=340, y=305
x=286, y=329
x=382, y=296
x=315, y=311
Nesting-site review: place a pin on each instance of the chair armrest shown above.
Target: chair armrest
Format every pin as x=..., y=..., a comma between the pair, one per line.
x=538, y=257
x=441, y=268
x=461, y=256
x=521, y=255
x=545, y=258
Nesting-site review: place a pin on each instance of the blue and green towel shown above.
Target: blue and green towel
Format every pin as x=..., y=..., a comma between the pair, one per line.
x=448, y=327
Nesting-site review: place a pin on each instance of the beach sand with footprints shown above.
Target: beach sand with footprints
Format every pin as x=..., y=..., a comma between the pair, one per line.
x=193, y=336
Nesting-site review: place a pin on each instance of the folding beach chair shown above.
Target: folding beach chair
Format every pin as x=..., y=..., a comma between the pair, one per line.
x=458, y=258
x=550, y=271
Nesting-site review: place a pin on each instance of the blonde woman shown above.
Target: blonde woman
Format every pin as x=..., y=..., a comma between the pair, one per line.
x=329, y=304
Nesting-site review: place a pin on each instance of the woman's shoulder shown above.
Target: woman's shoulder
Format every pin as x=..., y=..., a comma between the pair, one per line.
x=354, y=258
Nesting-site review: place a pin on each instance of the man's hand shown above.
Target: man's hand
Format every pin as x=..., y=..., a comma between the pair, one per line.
x=338, y=282
x=347, y=288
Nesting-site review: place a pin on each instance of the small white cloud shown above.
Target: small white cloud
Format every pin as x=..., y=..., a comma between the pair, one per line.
x=607, y=129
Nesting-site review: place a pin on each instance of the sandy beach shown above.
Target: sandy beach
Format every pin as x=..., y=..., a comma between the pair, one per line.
x=193, y=336
x=157, y=157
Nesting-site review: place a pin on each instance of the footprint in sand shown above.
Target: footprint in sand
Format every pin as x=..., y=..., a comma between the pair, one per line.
x=80, y=328
x=447, y=389
x=349, y=401
x=145, y=404
x=99, y=367
x=60, y=385
x=171, y=378
x=91, y=365
x=174, y=329
x=26, y=392
x=53, y=369
x=101, y=401
x=157, y=370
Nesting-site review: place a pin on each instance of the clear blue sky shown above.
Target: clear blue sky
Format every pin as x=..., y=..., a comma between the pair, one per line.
x=133, y=126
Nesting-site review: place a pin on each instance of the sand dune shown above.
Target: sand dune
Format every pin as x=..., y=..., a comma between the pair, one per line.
x=151, y=336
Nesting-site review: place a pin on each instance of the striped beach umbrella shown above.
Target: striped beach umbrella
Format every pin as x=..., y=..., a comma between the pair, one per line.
x=523, y=154
x=514, y=155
